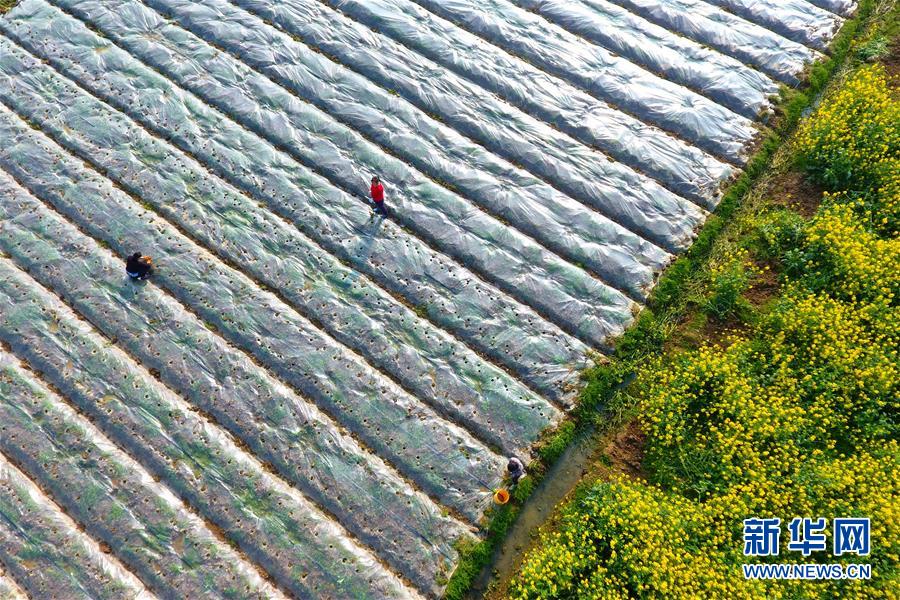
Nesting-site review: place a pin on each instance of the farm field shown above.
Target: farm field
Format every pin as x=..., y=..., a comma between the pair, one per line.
x=770, y=387
x=307, y=399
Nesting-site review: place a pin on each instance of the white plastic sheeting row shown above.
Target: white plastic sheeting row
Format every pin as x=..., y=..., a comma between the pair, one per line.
x=797, y=20
x=355, y=311
x=444, y=459
x=766, y=50
x=200, y=462
x=280, y=427
x=843, y=8
x=114, y=499
x=40, y=545
x=718, y=77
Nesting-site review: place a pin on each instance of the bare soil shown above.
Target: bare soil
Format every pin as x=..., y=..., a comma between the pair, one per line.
x=625, y=453
x=891, y=61
x=795, y=191
x=765, y=287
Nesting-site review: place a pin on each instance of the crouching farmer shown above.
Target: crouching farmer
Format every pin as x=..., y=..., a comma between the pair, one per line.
x=516, y=470
x=138, y=266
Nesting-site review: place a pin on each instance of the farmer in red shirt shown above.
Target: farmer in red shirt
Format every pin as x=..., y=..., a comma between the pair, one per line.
x=377, y=191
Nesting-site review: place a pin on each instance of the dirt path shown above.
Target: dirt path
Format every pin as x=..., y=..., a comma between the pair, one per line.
x=591, y=457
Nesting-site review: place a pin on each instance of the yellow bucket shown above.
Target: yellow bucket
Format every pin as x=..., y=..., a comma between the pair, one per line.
x=501, y=496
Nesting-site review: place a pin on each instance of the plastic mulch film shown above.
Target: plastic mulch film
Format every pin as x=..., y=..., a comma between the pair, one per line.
x=773, y=54
x=516, y=415
x=622, y=258
x=499, y=253
x=434, y=365
x=9, y=589
x=40, y=545
x=718, y=77
x=451, y=295
x=797, y=20
x=114, y=499
x=442, y=458
x=616, y=191
x=844, y=8
x=528, y=269
x=605, y=75
x=679, y=166
x=682, y=168
x=277, y=425
x=229, y=488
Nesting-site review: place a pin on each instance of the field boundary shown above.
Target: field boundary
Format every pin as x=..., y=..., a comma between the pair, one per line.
x=667, y=301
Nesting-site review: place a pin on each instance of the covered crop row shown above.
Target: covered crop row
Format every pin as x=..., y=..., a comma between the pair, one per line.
x=843, y=8
x=441, y=457
x=306, y=551
x=280, y=427
x=9, y=589
x=40, y=546
x=797, y=20
x=334, y=218
x=773, y=54
x=452, y=296
x=721, y=78
x=111, y=496
x=684, y=169
x=567, y=164
x=603, y=74
x=448, y=220
x=442, y=370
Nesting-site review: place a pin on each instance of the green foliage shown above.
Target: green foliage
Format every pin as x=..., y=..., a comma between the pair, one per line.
x=523, y=489
x=475, y=555
x=555, y=446
x=613, y=538
x=873, y=49
x=852, y=146
x=646, y=336
x=839, y=256
x=728, y=283
x=796, y=417
x=776, y=232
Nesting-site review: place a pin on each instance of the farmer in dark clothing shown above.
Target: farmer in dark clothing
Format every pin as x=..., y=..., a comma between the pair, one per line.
x=377, y=191
x=516, y=470
x=138, y=266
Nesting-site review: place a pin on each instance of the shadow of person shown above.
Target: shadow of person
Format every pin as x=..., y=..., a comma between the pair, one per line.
x=368, y=235
x=135, y=281
x=132, y=293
